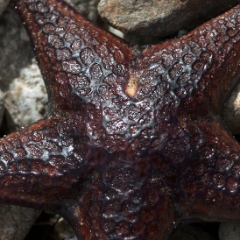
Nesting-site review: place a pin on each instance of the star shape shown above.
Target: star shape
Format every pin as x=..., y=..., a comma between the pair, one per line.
x=132, y=145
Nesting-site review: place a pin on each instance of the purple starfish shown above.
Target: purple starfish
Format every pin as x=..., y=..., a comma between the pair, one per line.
x=132, y=144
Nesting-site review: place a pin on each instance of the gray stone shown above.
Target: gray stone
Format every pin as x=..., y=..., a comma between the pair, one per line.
x=74, y=238
x=14, y=222
x=64, y=230
x=3, y=4
x=229, y=231
x=160, y=18
x=86, y=7
x=26, y=99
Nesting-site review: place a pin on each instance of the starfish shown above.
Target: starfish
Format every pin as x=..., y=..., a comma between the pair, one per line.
x=133, y=144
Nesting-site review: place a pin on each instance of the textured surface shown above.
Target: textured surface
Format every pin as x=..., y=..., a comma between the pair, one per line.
x=3, y=4
x=229, y=231
x=86, y=7
x=132, y=145
x=231, y=111
x=160, y=18
x=15, y=222
x=26, y=98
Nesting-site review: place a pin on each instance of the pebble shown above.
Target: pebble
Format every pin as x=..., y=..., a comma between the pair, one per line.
x=229, y=231
x=231, y=111
x=74, y=238
x=3, y=5
x=159, y=18
x=14, y=222
x=26, y=99
x=65, y=231
x=86, y=7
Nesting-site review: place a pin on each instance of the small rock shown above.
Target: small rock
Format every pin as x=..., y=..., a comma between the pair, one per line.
x=14, y=222
x=115, y=32
x=160, y=18
x=26, y=99
x=231, y=111
x=191, y=232
x=15, y=48
x=229, y=231
x=64, y=230
x=86, y=7
x=74, y=238
x=3, y=4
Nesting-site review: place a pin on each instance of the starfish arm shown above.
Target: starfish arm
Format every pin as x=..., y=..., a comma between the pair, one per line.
x=73, y=54
x=201, y=67
x=208, y=183
x=101, y=194
x=126, y=200
x=41, y=166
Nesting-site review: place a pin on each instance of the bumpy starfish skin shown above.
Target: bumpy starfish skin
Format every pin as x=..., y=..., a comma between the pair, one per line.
x=132, y=145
